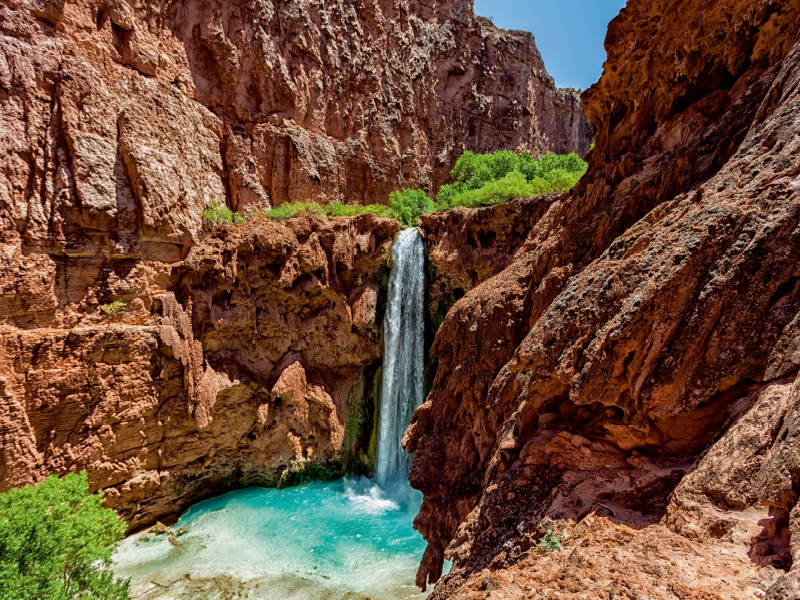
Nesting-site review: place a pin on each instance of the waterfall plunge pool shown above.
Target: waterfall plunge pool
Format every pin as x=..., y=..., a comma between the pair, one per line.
x=346, y=539
x=349, y=539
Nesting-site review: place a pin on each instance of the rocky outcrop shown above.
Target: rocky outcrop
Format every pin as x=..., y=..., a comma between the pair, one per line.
x=646, y=313
x=255, y=367
x=465, y=247
x=122, y=119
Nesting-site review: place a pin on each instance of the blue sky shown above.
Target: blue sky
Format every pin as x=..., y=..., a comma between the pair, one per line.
x=569, y=33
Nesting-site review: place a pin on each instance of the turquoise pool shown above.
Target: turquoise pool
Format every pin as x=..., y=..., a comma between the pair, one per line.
x=344, y=539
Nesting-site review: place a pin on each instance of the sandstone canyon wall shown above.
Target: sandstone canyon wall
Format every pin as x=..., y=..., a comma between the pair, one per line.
x=259, y=102
x=616, y=365
x=242, y=356
x=629, y=380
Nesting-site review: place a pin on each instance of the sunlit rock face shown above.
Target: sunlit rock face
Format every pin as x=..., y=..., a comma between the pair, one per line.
x=260, y=102
x=239, y=355
x=645, y=329
x=253, y=365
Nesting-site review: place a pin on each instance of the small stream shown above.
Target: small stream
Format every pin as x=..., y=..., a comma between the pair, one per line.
x=350, y=539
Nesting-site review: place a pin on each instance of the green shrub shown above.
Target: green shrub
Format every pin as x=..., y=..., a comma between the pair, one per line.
x=409, y=205
x=219, y=214
x=485, y=179
x=507, y=188
x=549, y=543
x=56, y=542
x=289, y=210
x=339, y=209
x=111, y=309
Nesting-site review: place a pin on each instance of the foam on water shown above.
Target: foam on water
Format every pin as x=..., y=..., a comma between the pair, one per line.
x=344, y=539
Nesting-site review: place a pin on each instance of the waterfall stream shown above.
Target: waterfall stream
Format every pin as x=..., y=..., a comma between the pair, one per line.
x=403, y=331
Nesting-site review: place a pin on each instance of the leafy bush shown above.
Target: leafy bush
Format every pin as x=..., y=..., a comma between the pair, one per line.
x=111, y=309
x=56, y=542
x=339, y=209
x=513, y=185
x=485, y=179
x=409, y=205
x=289, y=210
x=479, y=180
x=219, y=214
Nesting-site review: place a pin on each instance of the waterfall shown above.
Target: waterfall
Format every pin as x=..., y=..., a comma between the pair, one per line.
x=403, y=331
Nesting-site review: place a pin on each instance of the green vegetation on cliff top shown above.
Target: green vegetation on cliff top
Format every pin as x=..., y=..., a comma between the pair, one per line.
x=289, y=210
x=56, y=542
x=478, y=180
x=486, y=179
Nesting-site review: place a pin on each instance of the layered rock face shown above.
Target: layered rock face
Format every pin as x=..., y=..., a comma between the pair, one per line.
x=124, y=118
x=241, y=356
x=465, y=247
x=258, y=364
x=646, y=329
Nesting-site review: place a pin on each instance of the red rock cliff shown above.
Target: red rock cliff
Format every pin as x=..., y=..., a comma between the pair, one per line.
x=645, y=330
x=129, y=115
x=241, y=355
x=255, y=364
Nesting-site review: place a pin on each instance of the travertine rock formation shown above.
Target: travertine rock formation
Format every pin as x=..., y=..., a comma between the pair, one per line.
x=620, y=369
x=262, y=368
x=649, y=313
x=465, y=247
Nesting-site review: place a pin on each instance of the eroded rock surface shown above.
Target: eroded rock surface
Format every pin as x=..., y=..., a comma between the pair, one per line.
x=239, y=354
x=125, y=118
x=465, y=247
x=649, y=315
x=247, y=371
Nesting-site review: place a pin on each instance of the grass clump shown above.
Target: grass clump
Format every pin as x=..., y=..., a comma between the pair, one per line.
x=218, y=214
x=113, y=308
x=56, y=542
x=486, y=179
x=340, y=209
x=289, y=210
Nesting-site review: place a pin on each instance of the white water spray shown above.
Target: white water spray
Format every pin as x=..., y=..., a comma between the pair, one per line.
x=403, y=332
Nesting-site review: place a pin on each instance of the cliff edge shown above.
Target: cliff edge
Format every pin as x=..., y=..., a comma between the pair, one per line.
x=173, y=360
x=628, y=381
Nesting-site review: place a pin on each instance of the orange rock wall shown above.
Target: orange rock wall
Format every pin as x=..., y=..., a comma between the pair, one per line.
x=646, y=312
x=246, y=372
x=240, y=354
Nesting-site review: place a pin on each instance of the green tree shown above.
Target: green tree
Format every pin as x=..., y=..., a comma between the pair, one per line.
x=56, y=542
x=484, y=179
x=409, y=205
